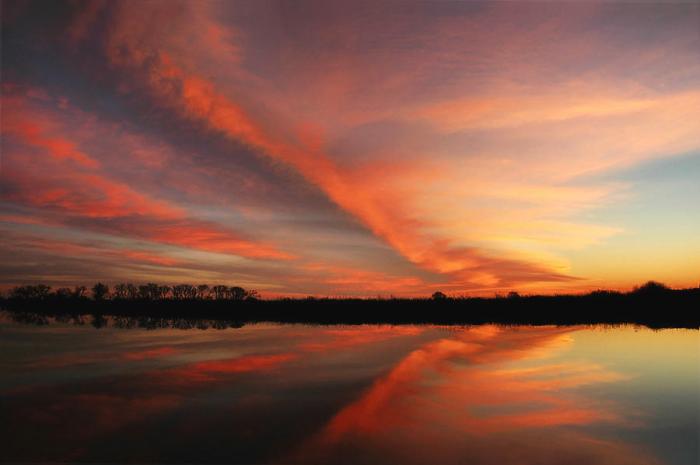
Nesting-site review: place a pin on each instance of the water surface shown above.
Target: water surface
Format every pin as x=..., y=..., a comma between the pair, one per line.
x=270, y=393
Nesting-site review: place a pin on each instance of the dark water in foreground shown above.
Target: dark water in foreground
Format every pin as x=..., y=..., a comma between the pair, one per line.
x=357, y=394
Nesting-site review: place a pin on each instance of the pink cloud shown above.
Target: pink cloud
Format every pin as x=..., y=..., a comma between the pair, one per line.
x=71, y=188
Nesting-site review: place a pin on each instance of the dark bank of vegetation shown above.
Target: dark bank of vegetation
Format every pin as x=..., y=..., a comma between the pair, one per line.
x=652, y=304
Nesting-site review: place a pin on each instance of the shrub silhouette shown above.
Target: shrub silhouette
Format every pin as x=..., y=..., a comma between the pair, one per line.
x=79, y=292
x=36, y=292
x=651, y=287
x=100, y=291
x=184, y=291
x=202, y=291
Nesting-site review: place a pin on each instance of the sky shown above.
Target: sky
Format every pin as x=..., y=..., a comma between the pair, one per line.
x=351, y=148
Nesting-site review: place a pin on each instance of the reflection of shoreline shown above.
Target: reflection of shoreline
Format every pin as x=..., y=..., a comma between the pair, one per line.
x=118, y=322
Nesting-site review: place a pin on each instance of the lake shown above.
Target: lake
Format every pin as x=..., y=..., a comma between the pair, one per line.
x=114, y=391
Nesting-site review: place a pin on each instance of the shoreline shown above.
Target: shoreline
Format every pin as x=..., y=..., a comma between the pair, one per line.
x=664, y=309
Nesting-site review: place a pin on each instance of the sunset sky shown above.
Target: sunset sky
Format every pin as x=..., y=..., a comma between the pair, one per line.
x=351, y=148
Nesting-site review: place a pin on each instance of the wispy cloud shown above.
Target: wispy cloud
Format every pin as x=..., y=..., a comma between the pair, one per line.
x=460, y=144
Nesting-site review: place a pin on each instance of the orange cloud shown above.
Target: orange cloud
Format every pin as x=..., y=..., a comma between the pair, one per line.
x=82, y=194
x=198, y=99
x=203, y=236
x=34, y=129
x=346, y=280
x=104, y=250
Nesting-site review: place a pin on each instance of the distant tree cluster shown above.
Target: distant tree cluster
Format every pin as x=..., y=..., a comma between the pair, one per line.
x=129, y=291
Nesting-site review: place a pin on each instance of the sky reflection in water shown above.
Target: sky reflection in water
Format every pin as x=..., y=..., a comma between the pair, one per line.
x=360, y=394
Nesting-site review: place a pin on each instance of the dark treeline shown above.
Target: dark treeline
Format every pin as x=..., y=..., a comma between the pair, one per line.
x=128, y=291
x=652, y=304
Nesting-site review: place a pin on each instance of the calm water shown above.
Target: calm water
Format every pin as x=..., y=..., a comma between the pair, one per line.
x=362, y=394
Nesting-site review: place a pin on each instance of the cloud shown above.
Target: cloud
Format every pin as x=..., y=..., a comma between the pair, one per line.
x=467, y=137
x=34, y=130
x=53, y=175
x=197, y=99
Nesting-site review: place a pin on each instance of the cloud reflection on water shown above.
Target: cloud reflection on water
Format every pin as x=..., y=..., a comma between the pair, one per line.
x=366, y=394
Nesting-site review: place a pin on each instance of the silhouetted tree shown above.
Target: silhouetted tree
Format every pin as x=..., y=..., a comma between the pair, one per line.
x=236, y=293
x=79, y=292
x=651, y=287
x=132, y=291
x=252, y=295
x=100, y=291
x=439, y=296
x=149, y=291
x=39, y=292
x=120, y=291
x=202, y=291
x=63, y=293
x=513, y=295
x=163, y=292
x=220, y=292
x=184, y=291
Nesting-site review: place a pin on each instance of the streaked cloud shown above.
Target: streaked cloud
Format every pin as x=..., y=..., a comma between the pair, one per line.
x=461, y=149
